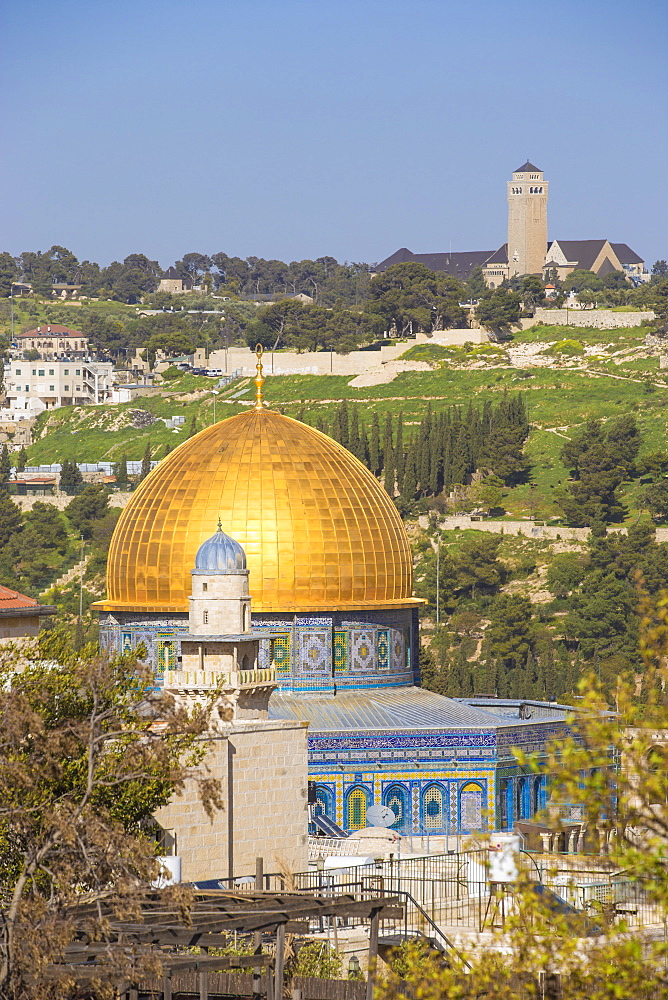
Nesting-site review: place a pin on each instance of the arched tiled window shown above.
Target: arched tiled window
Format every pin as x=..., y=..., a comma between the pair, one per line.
x=524, y=797
x=470, y=807
x=357, y=802
x=396, y=798
x=433, y=808
x=324, y=802
x=505, y=804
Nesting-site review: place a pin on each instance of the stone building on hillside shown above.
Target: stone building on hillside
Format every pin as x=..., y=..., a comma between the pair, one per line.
x=527, y=250
x=20, y=615
x=34, y=386
x=52, y=342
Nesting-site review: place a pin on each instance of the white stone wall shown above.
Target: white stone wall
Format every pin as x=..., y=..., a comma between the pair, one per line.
x=263, y=770
x=326, y=363
x=598, y=319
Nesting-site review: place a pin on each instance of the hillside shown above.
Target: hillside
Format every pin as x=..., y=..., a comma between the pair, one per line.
x=566, y=375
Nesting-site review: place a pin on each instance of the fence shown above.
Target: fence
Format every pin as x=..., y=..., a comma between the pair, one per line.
x=453, y=891
x=231, y=984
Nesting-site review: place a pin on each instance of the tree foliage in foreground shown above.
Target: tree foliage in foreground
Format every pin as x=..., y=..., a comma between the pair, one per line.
x=88, y=752
x=614, y=771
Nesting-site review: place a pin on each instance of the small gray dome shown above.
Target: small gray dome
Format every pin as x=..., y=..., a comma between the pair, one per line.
x=220, y=554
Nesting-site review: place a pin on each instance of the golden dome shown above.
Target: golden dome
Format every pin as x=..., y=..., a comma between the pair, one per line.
x=320, y=532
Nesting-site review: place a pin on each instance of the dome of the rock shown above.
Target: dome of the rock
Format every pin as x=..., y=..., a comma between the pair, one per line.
x=319, y=531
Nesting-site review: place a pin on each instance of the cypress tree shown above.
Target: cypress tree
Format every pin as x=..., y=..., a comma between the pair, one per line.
x=121, y=471
x=409, y=483
x=399, y=461
x=22, y=460
x=374, y=445
x=354, y=441
x=166, y=450
x=388, y=456
x=5, y=464
x=364, y=446
x=344, y=425
x=193, y=427
x=146, y=461
x=435, y=456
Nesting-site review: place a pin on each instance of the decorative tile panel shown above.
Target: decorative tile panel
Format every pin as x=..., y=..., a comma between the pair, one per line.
x=383, y=649
x=280, y=653
x=363, y=654
x=314, y=652
x=341, y=652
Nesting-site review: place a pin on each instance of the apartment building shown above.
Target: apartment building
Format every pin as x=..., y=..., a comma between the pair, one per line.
x=34, y=386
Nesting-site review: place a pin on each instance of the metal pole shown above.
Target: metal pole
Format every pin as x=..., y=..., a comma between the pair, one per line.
x=81, y=581
x=257, y=936
x=280, y=956
x=373, y=954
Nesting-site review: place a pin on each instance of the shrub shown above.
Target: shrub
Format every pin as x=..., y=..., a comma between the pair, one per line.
x=569, y=347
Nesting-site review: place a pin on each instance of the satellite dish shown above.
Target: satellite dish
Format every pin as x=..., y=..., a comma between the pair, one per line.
x=380, y=816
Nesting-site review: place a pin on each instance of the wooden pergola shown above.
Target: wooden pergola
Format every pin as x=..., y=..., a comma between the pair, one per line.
x=163, y=930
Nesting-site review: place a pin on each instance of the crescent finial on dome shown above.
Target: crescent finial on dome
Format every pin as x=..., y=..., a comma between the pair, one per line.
x=259, y=378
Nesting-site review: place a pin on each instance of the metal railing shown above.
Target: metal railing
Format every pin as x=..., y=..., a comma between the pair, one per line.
x=453, y=891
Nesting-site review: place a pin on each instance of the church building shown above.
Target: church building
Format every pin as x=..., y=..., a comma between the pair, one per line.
x=326, y=561
x=527, y=249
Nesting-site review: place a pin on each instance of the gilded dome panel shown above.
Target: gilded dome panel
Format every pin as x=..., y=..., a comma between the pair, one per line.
x=318, y=529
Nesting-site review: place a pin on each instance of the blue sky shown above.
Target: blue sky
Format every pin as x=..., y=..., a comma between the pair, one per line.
x=296, y=129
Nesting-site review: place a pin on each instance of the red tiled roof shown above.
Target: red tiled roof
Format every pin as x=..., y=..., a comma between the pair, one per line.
x=12, y=599
x=51, y=330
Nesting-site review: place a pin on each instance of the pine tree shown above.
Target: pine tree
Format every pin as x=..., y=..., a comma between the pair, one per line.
x=146, y=461
x=193, y=426
x=5, y=464
x=22, y=460
x=374, y=445
x=71, y=479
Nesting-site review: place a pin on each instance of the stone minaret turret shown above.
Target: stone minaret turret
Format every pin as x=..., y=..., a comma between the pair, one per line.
x=220, y=602
x=220, y=650
x=527, y=221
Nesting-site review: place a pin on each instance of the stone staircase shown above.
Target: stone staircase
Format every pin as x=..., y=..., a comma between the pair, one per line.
x=73, y=573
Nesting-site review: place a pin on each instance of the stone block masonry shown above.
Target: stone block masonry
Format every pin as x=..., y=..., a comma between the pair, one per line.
x=262, y=769
x=598, y=319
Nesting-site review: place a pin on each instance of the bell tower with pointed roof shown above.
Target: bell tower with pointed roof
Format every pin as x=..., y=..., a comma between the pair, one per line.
x=527, y=220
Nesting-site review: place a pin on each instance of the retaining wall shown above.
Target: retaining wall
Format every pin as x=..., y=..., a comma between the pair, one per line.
x=330, y=363
x=599, y=319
